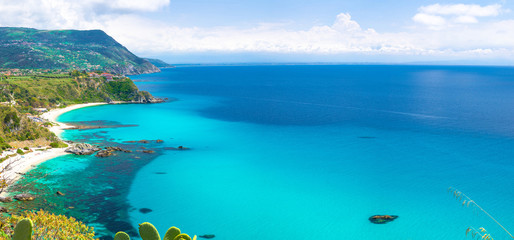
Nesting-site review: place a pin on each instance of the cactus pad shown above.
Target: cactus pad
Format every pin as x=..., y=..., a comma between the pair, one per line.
x=182, y=236
x=23, y=230
x=172, y=233
x=121, y=236
x=148, y=232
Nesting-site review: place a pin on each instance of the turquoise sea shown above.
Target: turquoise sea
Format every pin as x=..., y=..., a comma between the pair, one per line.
x=297, y=152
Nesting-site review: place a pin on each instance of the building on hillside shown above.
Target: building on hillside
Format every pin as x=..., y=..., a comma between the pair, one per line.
x=93, y=75
x=107, y=76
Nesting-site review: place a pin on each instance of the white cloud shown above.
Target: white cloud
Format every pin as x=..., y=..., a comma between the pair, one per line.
x=473, y=10
x=466, y=19
x=138, y=5
x=122, y=20
x=436, y=16
x=428, y=19
x=80, y=14
x=344, y=22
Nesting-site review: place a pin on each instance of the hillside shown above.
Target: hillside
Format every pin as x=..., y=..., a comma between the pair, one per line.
x=23, y=92
x=28, y=48
x=50, y=89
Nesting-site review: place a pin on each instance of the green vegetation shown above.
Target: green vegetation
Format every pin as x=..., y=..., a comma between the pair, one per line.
x=23, y=230
x=19, y=151
x=3, y=144
x=18, y=127
x=123, y=90
x=147, y=231
x=37, y=89
x=29, y=48
x=58, y=145
x=44, y=225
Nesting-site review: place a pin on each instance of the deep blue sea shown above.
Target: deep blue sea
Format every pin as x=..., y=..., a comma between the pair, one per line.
x=299, y=152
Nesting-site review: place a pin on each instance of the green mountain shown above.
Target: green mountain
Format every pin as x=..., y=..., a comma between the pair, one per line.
x=28, y=48
x=159, y=63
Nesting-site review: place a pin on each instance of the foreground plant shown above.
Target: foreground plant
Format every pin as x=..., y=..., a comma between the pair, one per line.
x=147, y=231
x=45, y=225
x=481, y=233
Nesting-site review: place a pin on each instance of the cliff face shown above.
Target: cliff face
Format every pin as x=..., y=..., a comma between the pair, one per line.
x=29, y=48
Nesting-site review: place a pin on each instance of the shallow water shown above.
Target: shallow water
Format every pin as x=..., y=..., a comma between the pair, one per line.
x=298, y=152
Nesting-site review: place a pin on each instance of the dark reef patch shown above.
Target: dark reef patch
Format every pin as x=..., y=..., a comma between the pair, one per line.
x=85, y=125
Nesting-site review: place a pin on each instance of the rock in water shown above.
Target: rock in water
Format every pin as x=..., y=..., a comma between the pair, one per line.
x=83, y=149
x=104, y=153
x=208, y=236
x=382, y=219
x=145, y=210
x=59, y=193
x=5, y=199
x=24, y=197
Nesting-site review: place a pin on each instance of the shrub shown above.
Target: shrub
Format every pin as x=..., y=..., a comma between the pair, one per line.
x=58, y=145
x=19, y=151
x=50, y=226
x=5, y=146
x=26, y=148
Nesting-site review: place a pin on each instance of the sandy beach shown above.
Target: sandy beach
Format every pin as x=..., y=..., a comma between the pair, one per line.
x=53, y=114
x=15, y=166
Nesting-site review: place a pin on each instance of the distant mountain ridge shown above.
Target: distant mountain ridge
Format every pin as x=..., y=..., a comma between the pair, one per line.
x=29, y=48
x=159, y=63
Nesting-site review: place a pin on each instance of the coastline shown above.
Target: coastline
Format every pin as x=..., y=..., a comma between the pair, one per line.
x=53, y=114
x=16, y=166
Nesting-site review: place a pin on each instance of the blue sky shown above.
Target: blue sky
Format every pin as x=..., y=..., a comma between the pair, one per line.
x=216, y=31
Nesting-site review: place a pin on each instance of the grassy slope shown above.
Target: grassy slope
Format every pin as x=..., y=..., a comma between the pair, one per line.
x=50, y=90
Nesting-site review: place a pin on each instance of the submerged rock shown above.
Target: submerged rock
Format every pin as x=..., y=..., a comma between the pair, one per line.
x=3, y=210
x=108, y=151
x=176, y=148
x=83, y=149
x=159, y=141
x=207, y=236
x=59, y=193
x=24, y=197
x=104, y=153
x=382, y=219
x=148, y=151
x=145, y=210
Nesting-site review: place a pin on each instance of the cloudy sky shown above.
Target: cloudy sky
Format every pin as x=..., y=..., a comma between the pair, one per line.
x=182, y=31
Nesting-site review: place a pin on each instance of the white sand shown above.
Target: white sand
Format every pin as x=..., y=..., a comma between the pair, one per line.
x=15, y=166
x=53, y=114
